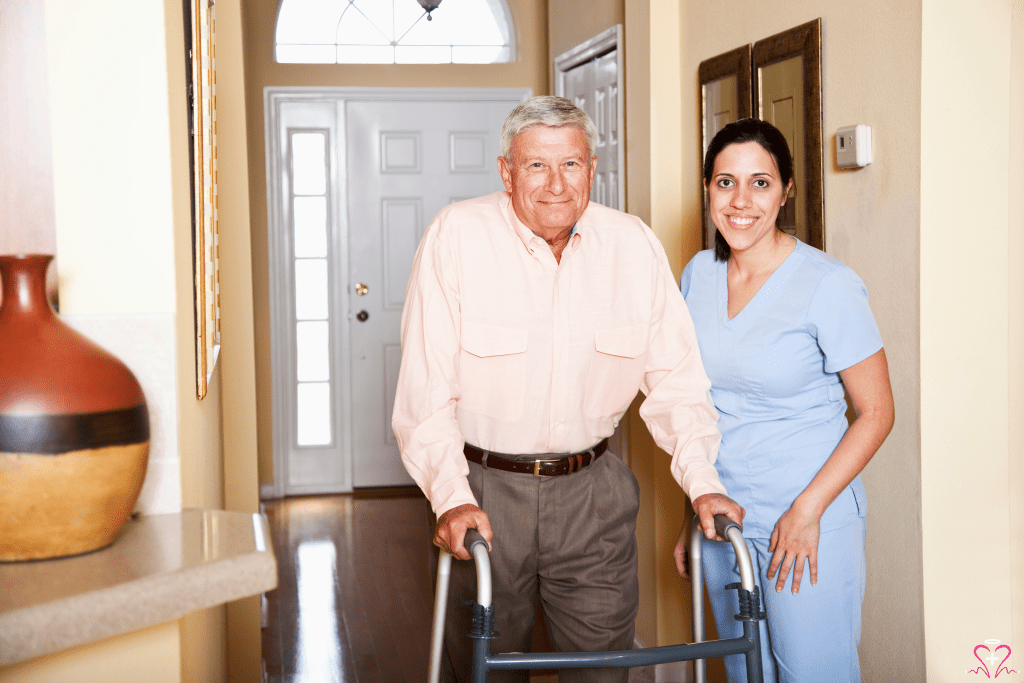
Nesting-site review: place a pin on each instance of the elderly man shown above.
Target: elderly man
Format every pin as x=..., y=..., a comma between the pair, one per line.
x=531, y=321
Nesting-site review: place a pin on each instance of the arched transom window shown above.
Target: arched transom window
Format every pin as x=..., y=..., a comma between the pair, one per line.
x=394, y=32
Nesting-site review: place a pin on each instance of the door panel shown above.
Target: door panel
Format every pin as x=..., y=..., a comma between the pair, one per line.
x=405, y=161
x=593, y=87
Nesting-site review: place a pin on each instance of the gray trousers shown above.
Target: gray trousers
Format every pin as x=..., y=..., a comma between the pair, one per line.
x=569, y=539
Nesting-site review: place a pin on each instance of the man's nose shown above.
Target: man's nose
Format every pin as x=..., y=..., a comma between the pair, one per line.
x=556, y=183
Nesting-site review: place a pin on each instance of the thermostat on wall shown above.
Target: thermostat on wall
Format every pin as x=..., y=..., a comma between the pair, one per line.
x=853, y=146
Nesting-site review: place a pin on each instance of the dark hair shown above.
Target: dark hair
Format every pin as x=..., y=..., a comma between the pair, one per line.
x=747, y=130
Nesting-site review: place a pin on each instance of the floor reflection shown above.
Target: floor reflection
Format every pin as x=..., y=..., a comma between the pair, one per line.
x=319, y=647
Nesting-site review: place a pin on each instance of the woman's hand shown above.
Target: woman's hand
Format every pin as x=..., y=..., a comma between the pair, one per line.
x=794, y=540
x=682, y=555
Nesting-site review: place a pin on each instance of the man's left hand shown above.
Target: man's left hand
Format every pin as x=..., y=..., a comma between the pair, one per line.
x=711, y=504
x=450, y=532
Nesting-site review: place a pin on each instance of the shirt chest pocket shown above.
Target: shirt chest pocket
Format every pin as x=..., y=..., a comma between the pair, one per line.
x=492, y=370
x=616, y=369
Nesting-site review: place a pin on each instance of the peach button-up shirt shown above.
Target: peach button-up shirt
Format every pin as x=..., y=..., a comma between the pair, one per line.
x=513, y=352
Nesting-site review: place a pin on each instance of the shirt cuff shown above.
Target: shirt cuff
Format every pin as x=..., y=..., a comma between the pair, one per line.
x=699, y=483
x=452, y=496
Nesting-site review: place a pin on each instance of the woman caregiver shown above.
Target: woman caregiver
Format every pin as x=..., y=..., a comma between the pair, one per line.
x=782, y=329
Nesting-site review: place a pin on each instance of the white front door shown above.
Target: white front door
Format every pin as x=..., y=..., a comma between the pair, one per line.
x=406, y=161
x=354, y=178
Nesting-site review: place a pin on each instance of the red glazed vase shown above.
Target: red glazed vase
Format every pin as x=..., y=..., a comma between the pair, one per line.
x=74, y=427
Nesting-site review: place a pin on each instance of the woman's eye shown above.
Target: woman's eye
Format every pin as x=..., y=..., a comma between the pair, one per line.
x=761, y=182
x=725, y=182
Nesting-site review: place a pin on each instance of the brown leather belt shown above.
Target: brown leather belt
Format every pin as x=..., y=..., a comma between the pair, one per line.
x=538, y=468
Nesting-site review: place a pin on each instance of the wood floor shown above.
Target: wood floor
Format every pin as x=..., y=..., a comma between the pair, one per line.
x=354, y=600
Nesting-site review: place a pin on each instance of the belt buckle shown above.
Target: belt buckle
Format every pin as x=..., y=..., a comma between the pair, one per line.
x=538, y=463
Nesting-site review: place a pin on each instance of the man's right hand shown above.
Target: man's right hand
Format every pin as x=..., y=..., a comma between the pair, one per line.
x=450, y=532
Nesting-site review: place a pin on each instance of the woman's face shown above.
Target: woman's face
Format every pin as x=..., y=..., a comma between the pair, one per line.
x=746, y=193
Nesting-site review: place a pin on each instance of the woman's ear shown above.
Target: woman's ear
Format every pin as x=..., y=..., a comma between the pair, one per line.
x=789, y=188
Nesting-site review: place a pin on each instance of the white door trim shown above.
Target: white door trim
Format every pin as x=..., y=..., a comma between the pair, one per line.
x=279, y=248
x=602, y=43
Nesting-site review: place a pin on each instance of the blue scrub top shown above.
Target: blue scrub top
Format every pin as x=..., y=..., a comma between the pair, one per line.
x=774, y=376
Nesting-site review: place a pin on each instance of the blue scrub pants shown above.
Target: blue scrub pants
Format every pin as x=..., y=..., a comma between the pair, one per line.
x=808, y=637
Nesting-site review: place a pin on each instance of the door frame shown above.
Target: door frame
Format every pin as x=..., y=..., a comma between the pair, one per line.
x=279, y=254
x=602, y=43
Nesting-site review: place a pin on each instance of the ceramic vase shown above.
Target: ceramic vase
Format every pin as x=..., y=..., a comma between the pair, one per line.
x=74, y=427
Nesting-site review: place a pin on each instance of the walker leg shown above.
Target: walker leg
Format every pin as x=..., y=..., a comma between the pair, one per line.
x=753, y=633
x=482, y=634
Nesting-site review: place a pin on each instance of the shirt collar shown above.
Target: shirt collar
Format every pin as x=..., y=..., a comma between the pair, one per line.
x=525, y=234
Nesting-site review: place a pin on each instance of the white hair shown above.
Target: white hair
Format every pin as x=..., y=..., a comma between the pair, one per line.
x=546, y=110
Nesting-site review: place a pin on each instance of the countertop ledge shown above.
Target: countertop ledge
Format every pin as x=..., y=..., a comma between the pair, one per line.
x=159, y=569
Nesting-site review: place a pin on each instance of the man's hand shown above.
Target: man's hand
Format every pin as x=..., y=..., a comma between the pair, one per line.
x=450, y=532
x=711, y=504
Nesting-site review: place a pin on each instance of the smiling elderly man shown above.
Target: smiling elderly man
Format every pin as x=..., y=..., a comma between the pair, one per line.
x=531, y=321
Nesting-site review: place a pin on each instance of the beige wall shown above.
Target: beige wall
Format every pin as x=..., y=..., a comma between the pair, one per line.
x=149, y=655
x=970, y=311
x=26, y=165
x=1015, y=366
x=570, y=22
x=528, y=71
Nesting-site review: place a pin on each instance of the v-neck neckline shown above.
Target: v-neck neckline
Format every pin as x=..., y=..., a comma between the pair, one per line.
x=765, y=293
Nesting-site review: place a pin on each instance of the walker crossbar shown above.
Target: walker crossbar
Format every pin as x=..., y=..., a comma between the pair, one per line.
x=483, y=661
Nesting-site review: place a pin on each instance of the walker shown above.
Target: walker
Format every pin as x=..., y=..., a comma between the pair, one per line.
x=748, y=645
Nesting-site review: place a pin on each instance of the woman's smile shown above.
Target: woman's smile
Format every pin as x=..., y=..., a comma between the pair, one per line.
x=745, y=194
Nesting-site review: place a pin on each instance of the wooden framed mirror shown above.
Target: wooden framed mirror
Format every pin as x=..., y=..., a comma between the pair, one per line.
x=787, y=93
x=724, y=97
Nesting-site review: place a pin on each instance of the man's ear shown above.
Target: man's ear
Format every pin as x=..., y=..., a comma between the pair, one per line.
x=506, y=173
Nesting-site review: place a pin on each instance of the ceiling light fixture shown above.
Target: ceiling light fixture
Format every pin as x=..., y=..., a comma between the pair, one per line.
x=429, y=6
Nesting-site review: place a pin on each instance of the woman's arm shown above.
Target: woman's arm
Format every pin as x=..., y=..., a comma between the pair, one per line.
x=795, y=537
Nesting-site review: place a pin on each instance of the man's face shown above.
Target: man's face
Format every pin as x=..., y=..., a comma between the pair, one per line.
x=549, y=178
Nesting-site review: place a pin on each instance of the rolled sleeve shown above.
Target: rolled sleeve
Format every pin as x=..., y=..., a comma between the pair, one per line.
x=678, y=409
x=424, y=419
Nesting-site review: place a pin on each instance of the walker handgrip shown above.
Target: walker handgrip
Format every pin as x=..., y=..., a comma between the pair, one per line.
x=722, y=525
x=472, y=538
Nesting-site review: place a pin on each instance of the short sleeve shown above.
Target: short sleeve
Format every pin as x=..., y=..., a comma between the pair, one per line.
x=841, y=317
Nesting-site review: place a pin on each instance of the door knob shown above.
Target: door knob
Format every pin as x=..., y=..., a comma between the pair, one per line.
x=362, y=289
x=362, y=316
